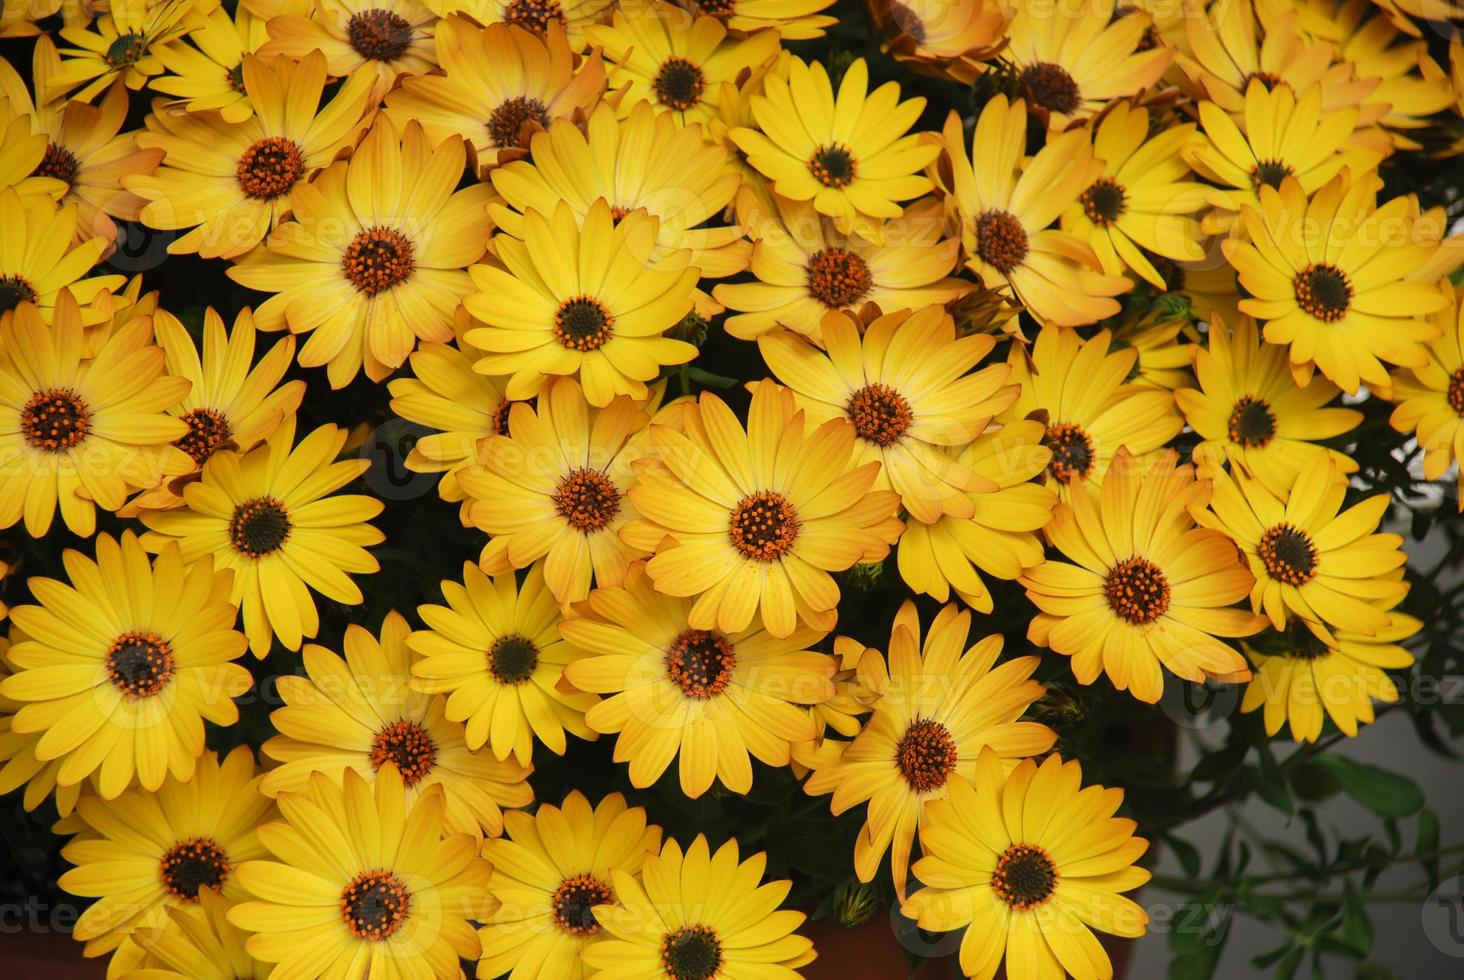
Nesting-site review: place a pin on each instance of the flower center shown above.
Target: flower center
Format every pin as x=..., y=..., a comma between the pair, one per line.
x=1324, y=291
x=15, y=290
x=574, y=902
x=208, y=429
x=379, y=35
x=1252, y=423
x=1050, y=86
x=1455, y=393
x=58, y=162
x=832, y=165
x=533, y=15
x=716, y=8
x=378, y=259
x=498, y=418
x=691, y=953
x=259, y=527
x=838, y=277
x=926, y=755
x=55, y=420
x=1304, y=644
x=1001, y=241
x=235, y=77
x=1025, y=876
x=509, y=118
x=1289, y=554
x=1270, y=173
x=1104, y=202
x=679, y=83
x=375, y=904
x=763, y=525
x=701, y=662
x=513, y=659
x=582, y=324
x=880, y=414
x=140, y=664
x=406, y=745
x=126, y=50
x=1072, y=451
x=1137, y=591
x=270, y=167
x=194, y=864
x=1266, y=78
x=588, y=499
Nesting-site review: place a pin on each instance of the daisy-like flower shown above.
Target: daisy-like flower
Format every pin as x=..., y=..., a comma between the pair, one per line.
x=233, y=403
x=904, y=385
x=387, y=38
x=151, y=850
x=554, y=488
x=936, y=708
x=199, y=944
x=498, y=83
x=585, y=296
x=81, y=433
x=851, y=154
x=207, y=72
x=19, y=766
x=949, y=39
x=999, y=538
x=231, y=182
x=751, y=522
x=678, y=63
x=1143, y=586
x=41, y=257
x=794, y=20
x=710, y=697
x=1301, y=680
x=1328, y=277
x=269, y=515
x=123, y=43
x=1163, y=340
x=1073, y=61
x=698, y=914
x=1030, y=865
x=360, y=713
x=374, y=255
x=645, y=161
x=495, y=651
x=121, y=668
x=1091, y=408
x=1142, y=202
x=550, y=871
x=806, y=268
x=1006, y=210
x=1430, y=397
x=1249, y=410
x=363, y=883
x=571, y=17
x=1328, y=568
x=24, y=151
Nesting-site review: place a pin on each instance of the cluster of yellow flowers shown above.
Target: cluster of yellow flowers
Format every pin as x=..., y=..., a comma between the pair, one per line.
x=528, y=215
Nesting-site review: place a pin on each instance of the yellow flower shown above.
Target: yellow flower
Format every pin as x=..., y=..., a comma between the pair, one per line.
x=1249, y=410
x=1430, y=397
x=40, y=256
x=1006, y=210
x=148, y=851
x=949, y=39
x=363, y=884
x=549, y=873
x=124, y=44
x=497, y=81
x=849, y=153
x=23, y=151
x=208, y=72
x=1030, y=864
x=751, y=522
x=231, y=182
x=19, y=765
x=590, y=298
x=495, y=651
x=267, y=515
x=1143, y=587
x=904, y=386
x=936, y=709
x=795, y=20
x=543, y=17
x=198, y=944
x=712, y=698
x=387, y=38
x=698, y=914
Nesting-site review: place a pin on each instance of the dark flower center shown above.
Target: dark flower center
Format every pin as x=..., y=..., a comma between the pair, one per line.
x=509, y=118
x=880, y=414
x=259, y=527
x=208, y=429
x=1270, y=173
x=1455, y=393
x=1104, y=202
x=58, y=162
x=588, y=499
x=574, y=902
x=406, y=745
x=1137, y=591
x=691, y=953
x=838, y=278
x=1289, y=554
x=15, y=290
x=126, y=51
x=1001, y=241
x=375, y=905
x=763, y=526
x=1072, y=451
x=583, y=324
x=926, y=755
x=832, y=165
x=55, y=420
x=1304, y=644
x=1252, y=423
x=533, y=15
x=513, y=659
x=1025, y=876
x=379, y=35
x=269, y=168
x=194, y=864
x=1051, y=87
x=140, y=664
x=1266, y=78
x=716, y=8
x=1324, y=291
x=701, y=662
x=679, y=83
x=235, y=77
x=378, y=259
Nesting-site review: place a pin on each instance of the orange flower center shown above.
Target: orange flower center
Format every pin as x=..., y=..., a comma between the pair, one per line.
x=55, y=420
x=140, y=664
x=533, y=15
x=1252, y=423
x=1001, y=241
x=1072, y=451
x=583, y=324
x=588, y=499
x=880, y=414
x=207, y=431
x=379, y=35
x=378, y=259
x=1025, y=876
x=406, y=745
x=375, y=905
x=838, y=278
x=691, y=953
x=701, y=663
x=1289, y=554
x=269, y=168
x=833, y=165
x=507, y=121
x=574, y=902
x=764, y=526
x=1137, y=591
x=679, y=83
x=259, y=527
x=193, y=864
x=58, y=162
x=1323, y=291
x=1104, y=202
x=1455, y=393
x=1050, y=86
x=926, y=755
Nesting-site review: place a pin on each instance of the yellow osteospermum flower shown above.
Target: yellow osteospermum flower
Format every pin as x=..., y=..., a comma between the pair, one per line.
x=386, y=38
x=41, y=257
x=946, y=38
x=794, y=20
x=19, y=766
x=199, y=944
x=208, y=72
x=124, y=44
x=573, y=18
x=1430, y=397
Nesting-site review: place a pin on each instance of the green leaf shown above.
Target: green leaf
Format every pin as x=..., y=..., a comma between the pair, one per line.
x=1356, y=929
x=1270, y=782
x=1428, y=843
x=1187, y=853
x=709, y=380
x=1385, y=793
